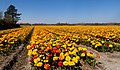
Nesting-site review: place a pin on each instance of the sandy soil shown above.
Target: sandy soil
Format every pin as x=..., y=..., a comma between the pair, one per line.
x=107, y=61
x=22, y=61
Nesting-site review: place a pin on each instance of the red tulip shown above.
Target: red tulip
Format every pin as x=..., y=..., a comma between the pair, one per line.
x=92, y=38
x=35, y=57
x=40, y=51
x=32, y=45
x=91, y=52
x=115, y=39
x=106, y=44
x=42, y=44
x=98, y=36
x=60, y=63
x=65, y=50
x=49, y=55
x=84, y=52
x=54, y=48
x=58, y=51
x=54, y=51
x=58, y=47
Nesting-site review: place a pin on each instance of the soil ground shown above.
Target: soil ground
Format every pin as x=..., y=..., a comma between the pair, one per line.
x=107, y=60
x=21, y=61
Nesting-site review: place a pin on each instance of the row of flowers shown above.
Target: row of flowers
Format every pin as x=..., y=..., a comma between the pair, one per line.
x=8, y=31
x=49, y=50
x=12, y=39
x=93, y=36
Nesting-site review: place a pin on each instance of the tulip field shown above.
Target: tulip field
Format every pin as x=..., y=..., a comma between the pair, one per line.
x=9, y=39
x=59, y=47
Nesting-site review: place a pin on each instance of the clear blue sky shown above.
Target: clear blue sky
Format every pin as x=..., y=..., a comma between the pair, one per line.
x=72, y=11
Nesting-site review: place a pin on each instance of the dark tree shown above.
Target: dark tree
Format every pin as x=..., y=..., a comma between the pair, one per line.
x=11, y=14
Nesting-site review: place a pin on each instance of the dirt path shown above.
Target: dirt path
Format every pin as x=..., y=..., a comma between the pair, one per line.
x=22, y=61
x=7, y=61
x=107, y=61
x=111, y=61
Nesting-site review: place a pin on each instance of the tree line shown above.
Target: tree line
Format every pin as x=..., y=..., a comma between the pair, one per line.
x=71, y=24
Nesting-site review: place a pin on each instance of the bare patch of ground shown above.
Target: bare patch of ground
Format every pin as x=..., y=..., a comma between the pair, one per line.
x=22, y=62
x=107, y=60
x=6, y=61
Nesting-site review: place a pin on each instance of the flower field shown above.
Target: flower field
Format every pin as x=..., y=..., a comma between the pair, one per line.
x=59, y=47
x=9, y=39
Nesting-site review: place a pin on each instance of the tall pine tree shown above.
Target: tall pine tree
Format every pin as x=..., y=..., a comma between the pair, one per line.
x=11, y=14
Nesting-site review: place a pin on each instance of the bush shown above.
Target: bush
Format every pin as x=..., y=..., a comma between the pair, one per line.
x=4, y=24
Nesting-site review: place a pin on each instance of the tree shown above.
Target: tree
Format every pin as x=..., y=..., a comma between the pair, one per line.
x=11, y=14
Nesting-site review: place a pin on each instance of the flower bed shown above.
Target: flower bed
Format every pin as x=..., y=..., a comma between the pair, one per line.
x=10, y=40
x=101, y=38
x=52, y=51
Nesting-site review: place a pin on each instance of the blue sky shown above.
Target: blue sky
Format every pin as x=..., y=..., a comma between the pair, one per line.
x=72, y=11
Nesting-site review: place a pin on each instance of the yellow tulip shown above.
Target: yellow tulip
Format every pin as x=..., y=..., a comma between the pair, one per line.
x=36, y=60
x=69, y=44
x=39, y=64
x=68, y=58
x=66, y=54
x=1, y=44
x=12, y=42
x=55, y=58
x=35, y=64
x=70, y=52
x=84, y=49
x=37, y=42
x=35, y=50
x=71, y=63
x=5, y=40
x=79, y=48
x=83, y=54
x=45, y=60
x=77, y=40
x=93, y=43
x=64, y=46
x=103, y=41
x=110, y=45
x=77, y=57
x=28, y=47
x=30, y=52
x=41, y=55
x=74, y=60
x=74, y=53
x=89, y=54
x=34, y=53
x=42, y=48
x=65, y=63
x=95, y=46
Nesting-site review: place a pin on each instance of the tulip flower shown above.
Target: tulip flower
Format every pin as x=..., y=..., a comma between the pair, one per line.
x=60, y=63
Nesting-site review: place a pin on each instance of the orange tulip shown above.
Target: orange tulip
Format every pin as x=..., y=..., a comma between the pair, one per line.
x=58, y=51
x=47, y=66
